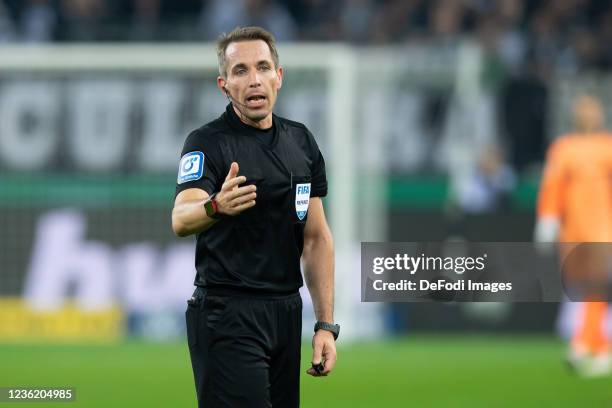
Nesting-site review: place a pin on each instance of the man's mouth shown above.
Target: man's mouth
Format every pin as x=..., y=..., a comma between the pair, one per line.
x=256, y=101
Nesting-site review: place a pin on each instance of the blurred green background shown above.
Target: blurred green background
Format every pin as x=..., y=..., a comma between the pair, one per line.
x=420, y=371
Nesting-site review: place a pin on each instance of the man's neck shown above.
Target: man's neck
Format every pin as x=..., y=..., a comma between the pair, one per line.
x=265, y=123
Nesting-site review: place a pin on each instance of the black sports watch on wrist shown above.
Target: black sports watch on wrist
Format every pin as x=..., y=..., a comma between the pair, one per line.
x=330, y=327
x=210, y=206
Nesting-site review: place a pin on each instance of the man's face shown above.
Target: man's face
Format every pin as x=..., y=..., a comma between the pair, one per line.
x=252, y=80
x=588, y=114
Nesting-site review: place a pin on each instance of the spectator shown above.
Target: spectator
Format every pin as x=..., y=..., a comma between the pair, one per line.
x=222, y=16
x=38, y=21
x=274, y=16
x=446, y=18
x=399, y=20
x=318, y=20
x=511, y=44
x=82, y=20
x=355, y=20
x=584, y=49
x=7, y=29
x=487, y=188
x=605, y=36
x=146, y=16
x=524, y=108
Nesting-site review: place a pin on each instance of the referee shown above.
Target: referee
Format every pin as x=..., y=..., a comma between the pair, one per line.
x=249, y=187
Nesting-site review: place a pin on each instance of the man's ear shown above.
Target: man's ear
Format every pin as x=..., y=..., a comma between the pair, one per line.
x=222, y=85
x=279, y=75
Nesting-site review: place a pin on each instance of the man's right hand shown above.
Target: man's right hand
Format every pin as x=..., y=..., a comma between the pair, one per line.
x=232, y=200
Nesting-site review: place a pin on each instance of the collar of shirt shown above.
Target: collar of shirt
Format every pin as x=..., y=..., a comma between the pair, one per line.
x=267, y=136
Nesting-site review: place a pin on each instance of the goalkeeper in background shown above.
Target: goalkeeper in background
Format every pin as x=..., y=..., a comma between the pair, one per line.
x=575, y=206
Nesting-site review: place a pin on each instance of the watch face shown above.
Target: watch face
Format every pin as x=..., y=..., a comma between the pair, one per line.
x=209, y=208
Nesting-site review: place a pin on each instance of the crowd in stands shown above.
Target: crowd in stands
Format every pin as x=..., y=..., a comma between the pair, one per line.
x=573, y=34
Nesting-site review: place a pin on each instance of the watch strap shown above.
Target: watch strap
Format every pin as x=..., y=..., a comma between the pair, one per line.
x=211, y=207
x=330, y=327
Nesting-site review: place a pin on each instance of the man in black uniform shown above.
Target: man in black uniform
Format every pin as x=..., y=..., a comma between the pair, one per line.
x=250, y=185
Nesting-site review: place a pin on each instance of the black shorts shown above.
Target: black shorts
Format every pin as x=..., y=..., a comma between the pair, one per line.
x=245, y=350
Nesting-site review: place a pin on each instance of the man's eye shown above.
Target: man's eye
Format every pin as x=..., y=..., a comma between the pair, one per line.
x=264, y=67
x=240, y=71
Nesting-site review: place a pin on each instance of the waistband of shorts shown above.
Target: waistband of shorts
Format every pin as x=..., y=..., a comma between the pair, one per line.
x=247, y=293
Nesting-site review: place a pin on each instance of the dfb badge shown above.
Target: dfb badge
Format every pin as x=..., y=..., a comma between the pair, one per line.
x=191, y=167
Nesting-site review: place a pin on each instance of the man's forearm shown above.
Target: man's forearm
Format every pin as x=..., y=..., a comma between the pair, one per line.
x=190, y=218
x=318, y=260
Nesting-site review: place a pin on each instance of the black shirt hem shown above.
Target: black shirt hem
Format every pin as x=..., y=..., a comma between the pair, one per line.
x=247, y=292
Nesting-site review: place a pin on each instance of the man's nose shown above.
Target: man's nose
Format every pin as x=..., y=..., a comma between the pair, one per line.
x=254, y=80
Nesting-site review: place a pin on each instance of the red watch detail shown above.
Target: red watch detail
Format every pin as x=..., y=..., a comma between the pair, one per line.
x=212, y=208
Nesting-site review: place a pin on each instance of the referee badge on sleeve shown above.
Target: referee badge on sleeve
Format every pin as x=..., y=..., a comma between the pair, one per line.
x=191, y=167
x=302, y=198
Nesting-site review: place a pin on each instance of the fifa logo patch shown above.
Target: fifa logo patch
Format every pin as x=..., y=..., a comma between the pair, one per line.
x=302, y=198
x=191, y=167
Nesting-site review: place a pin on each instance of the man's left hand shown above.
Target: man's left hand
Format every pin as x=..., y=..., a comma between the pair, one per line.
x=323, y=351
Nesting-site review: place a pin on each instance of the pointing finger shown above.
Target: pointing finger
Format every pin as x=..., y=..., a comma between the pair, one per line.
x=233, y=171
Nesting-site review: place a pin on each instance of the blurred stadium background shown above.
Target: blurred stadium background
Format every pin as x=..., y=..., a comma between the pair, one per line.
x=433, y=116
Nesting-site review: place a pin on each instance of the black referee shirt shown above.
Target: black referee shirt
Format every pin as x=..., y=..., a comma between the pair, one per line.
x=259, y=249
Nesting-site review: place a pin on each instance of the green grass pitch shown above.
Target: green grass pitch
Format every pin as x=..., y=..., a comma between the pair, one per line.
x=418, y=371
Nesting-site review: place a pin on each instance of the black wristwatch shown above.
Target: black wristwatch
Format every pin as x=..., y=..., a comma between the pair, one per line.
x=210, y=206
x=330, y=327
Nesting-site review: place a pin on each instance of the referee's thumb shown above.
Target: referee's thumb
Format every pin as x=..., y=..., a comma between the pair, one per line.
x=317, y=352
x=233, y=171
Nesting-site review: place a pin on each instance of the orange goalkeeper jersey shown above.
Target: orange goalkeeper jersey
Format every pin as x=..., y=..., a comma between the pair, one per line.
x=577, y=187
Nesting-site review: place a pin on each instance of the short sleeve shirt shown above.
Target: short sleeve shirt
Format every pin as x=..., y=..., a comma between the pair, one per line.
x=259, y=249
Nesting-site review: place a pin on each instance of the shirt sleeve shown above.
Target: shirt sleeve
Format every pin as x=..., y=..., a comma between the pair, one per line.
x=550, y=198
x=199, y=164
x=319, y=177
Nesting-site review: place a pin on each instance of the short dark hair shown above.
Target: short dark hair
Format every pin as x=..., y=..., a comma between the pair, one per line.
x=244, y=34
